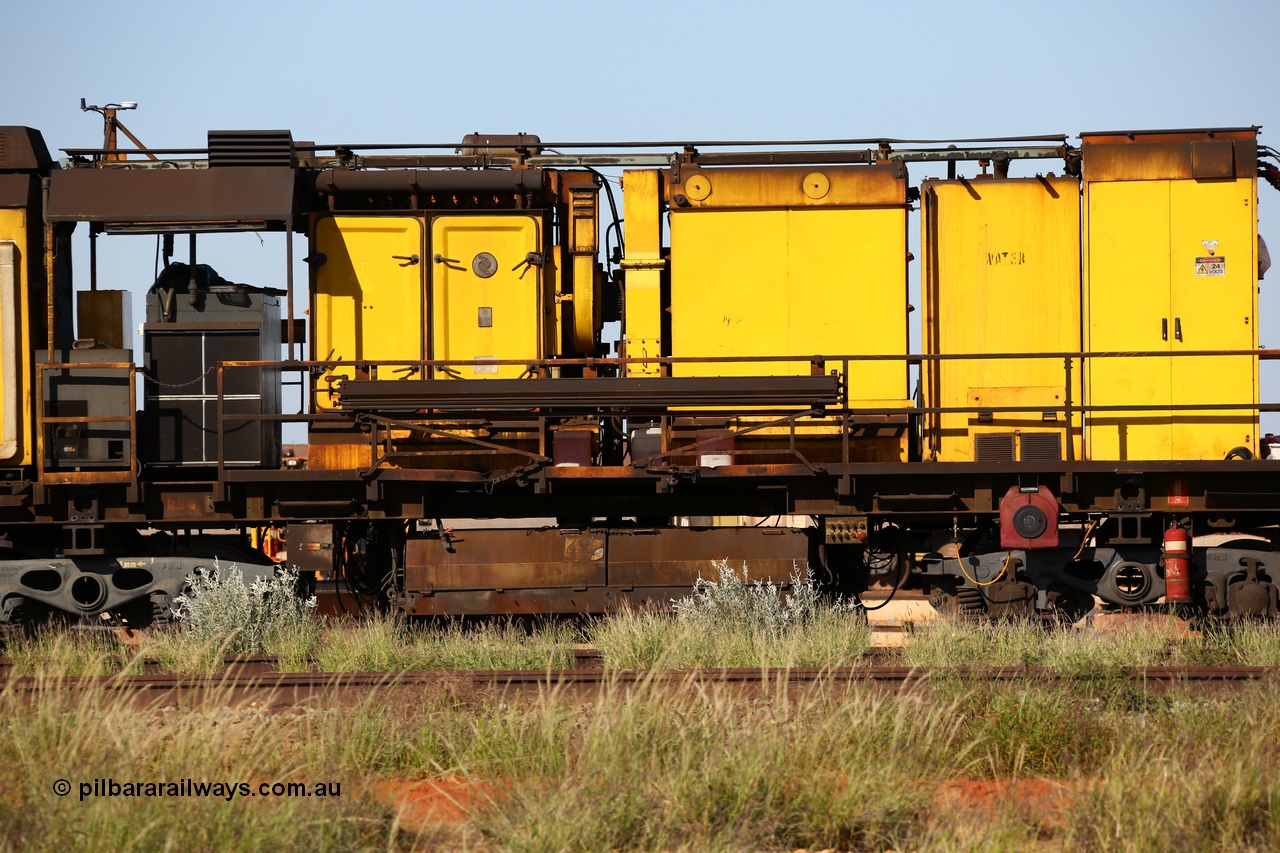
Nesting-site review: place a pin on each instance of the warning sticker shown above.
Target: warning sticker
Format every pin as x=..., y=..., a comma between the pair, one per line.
x=1212, y=265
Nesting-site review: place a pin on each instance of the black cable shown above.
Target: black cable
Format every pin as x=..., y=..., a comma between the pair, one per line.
x=613, y=206
x=892, y=592
x=616, y=225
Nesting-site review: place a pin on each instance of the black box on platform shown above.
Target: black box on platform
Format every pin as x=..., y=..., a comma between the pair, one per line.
x=184, y=341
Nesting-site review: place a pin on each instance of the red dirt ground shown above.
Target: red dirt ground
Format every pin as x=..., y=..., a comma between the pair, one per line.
x=424, y=803
x=431, y=803
x=1046, y=798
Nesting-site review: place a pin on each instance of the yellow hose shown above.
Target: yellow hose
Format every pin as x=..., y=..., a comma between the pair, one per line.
x=1085, y=539
x=1007, y=557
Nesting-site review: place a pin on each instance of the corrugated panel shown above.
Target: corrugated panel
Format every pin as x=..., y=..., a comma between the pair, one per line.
x=1041, y=446
x=993, y=447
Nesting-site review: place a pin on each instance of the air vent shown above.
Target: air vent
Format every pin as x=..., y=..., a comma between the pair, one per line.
x=1041, y=446
x=993, y=447
x=4, y=140
x=252, y=148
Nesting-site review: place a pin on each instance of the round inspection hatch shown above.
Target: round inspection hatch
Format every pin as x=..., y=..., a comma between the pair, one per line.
x=484, y=265
x=816, y=185
x=697, y=188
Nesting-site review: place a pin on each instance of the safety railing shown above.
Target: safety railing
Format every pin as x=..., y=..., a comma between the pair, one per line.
x=70, y=467
x=821, y=387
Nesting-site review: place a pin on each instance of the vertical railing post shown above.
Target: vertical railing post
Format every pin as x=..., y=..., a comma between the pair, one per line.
x=1071, y=447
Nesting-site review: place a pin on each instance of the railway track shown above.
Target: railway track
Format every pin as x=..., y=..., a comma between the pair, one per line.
x=240, y=686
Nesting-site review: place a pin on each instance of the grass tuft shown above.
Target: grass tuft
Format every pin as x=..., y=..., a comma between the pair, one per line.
x=737, y=622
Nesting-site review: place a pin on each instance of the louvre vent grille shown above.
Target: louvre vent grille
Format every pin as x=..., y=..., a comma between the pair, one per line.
x=993, y=447
x=1041, y=446
x=252, y=148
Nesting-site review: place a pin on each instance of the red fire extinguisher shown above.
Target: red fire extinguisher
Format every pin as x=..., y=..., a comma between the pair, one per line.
x=1177, y=566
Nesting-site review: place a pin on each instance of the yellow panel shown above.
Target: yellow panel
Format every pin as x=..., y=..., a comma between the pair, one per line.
x=1213, y=312
x=367, y=303
x=809, y=282
x=642, y=325
x=789, y=187
x=15, y=340
x=1127, y=302
x=1002, y=275
x=1145, y=294
x=494, y=317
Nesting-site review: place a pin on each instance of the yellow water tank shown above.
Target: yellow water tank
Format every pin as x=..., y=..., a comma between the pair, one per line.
x=1001, y=275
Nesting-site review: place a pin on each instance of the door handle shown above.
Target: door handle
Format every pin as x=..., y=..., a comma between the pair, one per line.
x=409, y=260
x=531, y=259
x=1177, y=327
x=1164, y=329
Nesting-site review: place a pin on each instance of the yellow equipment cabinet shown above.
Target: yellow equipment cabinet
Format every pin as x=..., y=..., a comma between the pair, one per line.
x=367, y=294
x=25, y=262
x=487, y=297
x=794, y=262
x=1002, y=275
x=1171, y=267
x=15, y=343
x=774, y=262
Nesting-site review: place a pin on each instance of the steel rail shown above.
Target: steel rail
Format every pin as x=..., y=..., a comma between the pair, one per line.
x=894, y=676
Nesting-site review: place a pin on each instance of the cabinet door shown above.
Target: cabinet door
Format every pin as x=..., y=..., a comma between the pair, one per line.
x=368, y=301
x=485, y=296
x=1212, y=307
x=1128, y=310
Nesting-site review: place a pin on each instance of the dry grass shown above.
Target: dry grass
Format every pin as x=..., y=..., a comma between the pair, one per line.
x=962, y=768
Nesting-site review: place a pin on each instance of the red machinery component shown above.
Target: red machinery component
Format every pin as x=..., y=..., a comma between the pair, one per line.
x=1028, y=518
x=273, y=544
x=1177, y=566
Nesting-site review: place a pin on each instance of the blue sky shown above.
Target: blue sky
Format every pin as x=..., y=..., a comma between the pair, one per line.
x=378, y=71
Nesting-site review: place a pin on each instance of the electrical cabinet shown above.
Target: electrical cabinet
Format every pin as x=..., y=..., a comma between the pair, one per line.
x=1170, y=269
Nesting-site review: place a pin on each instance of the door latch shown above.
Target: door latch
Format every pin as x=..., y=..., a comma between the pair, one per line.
x=531, y=259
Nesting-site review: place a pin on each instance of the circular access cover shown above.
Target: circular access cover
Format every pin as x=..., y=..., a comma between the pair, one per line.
x=484, y=265
x=697, y=187
x=816, y=185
